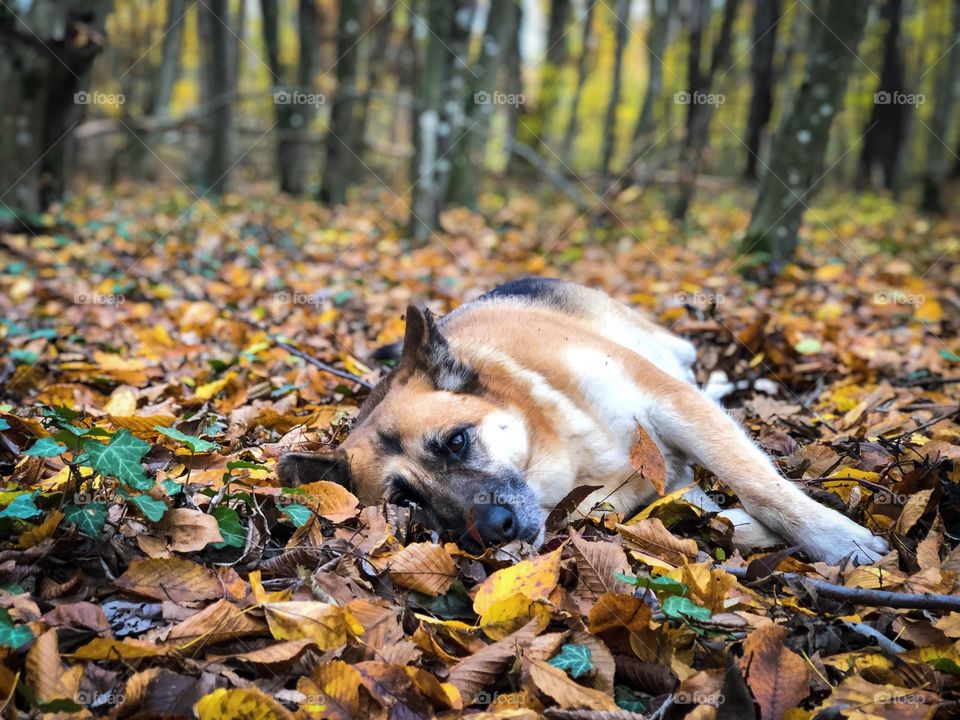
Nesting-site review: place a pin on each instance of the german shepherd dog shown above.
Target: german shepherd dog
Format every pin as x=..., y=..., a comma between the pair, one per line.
x=497, y=411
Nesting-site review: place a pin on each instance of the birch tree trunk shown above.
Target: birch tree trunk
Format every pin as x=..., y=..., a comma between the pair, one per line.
x=800, y=143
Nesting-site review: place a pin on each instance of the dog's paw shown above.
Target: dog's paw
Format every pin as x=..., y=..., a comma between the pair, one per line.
x=840, y=537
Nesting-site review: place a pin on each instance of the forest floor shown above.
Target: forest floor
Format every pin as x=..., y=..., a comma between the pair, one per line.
x=151, y=562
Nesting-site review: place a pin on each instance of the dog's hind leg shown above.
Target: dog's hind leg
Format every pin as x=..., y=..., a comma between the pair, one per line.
x=690, y=422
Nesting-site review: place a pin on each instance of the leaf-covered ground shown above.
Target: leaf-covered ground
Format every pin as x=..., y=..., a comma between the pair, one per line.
x=150, y=564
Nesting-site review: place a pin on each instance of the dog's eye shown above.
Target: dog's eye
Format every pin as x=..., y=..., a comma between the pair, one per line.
x=457, y=442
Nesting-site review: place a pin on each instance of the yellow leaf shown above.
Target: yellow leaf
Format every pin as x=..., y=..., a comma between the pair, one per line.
x=208, y=390
x=510, y=614
x=122, y=403
x=240, y=704
x=423, y=567
x=327, y=625
x=929, y=311
x=534, y=579
x=41, y=532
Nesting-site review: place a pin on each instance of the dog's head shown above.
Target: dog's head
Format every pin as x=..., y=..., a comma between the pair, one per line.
x=434, y=438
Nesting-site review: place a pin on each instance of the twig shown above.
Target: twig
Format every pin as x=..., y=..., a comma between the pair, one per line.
x=323, y=366
x=878, y=637
x=866, y=596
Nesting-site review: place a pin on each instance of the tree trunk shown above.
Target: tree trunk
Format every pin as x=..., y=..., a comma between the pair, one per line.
x=702, y=104
x=800, y=143
x=945, y=100
x=215, y=42
x=885, y=129
x=622, y=19
x=170, y=57
x=659, y=24
x=45, y=56
x=586, y=52
x=467, y=153
x=699, y=16
x=343, y=138
x=551, y=70
x=440, y=110
x=766, y=16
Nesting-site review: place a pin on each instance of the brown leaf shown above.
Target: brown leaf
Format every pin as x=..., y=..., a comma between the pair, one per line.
x=777, y=676
x=173, y=579
x=596, y=564
x=215, y=623
x=570, y=503
x=555, y=683
x=482, y=669
x=652, y=537
x=423, y=567
x=49, y=678
x=336, y=686
x=647, y=460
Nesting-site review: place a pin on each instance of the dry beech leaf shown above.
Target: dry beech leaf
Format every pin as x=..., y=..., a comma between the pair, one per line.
x=555, y=683
x=337, y=684
x=482, y=669
x=189, y=530
x=650, y=536
x=778, y=678
x=647, y=460
x=281, y=652
x=217, y=622
x=613, y=611
x=328, y=499
x=534, y=579
x=597, y=562
x=424, y=567
x=240, y=704
x=327, y=625
x=47, y=675
x=916, y=506
x=113, y=649
x=173, y=579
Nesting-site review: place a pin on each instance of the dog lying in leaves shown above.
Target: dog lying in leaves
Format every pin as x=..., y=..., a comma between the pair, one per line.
x=497, y=411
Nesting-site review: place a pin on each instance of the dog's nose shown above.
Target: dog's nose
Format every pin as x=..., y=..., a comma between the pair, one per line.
x=496, y=523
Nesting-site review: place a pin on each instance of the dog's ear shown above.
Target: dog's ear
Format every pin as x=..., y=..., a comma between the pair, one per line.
x=297, y=468
x=426, y=350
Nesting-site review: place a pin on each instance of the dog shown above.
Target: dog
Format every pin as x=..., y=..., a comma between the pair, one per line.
x=498, y=410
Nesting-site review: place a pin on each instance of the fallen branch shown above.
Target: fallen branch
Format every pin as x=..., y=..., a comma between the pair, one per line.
x=323, y=366
x=865, y=596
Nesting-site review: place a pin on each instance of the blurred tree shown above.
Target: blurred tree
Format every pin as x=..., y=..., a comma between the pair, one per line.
x=467, y=151
x=800, y=143
x=766, y=17
x=884, y=134
x=170, y=57
x=343, y=141
x=702, y=103
x=944, y=104
x=46, y=50
x=217, y=71
x=294, y=106
x=621, y=15
x=698, y=16
x=440, y=109
x=658, y=35
x=587, y=47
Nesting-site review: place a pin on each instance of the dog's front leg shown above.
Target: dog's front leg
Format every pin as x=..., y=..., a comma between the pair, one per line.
x=688, y=421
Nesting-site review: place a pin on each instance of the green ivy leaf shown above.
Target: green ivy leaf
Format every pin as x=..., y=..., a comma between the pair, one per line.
x=681, y=608
x=198, y=445
x=299, y=514
x=629, y=699
x=89, y=519
x=573, y=658
x=171, y=487
x=233, y=533
x=245, y=465
x=662, y=585
x=45, y=447
x=121, y=459
x=11, y=635
x=4, y=425
x=23, y=507
x=151, y=508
